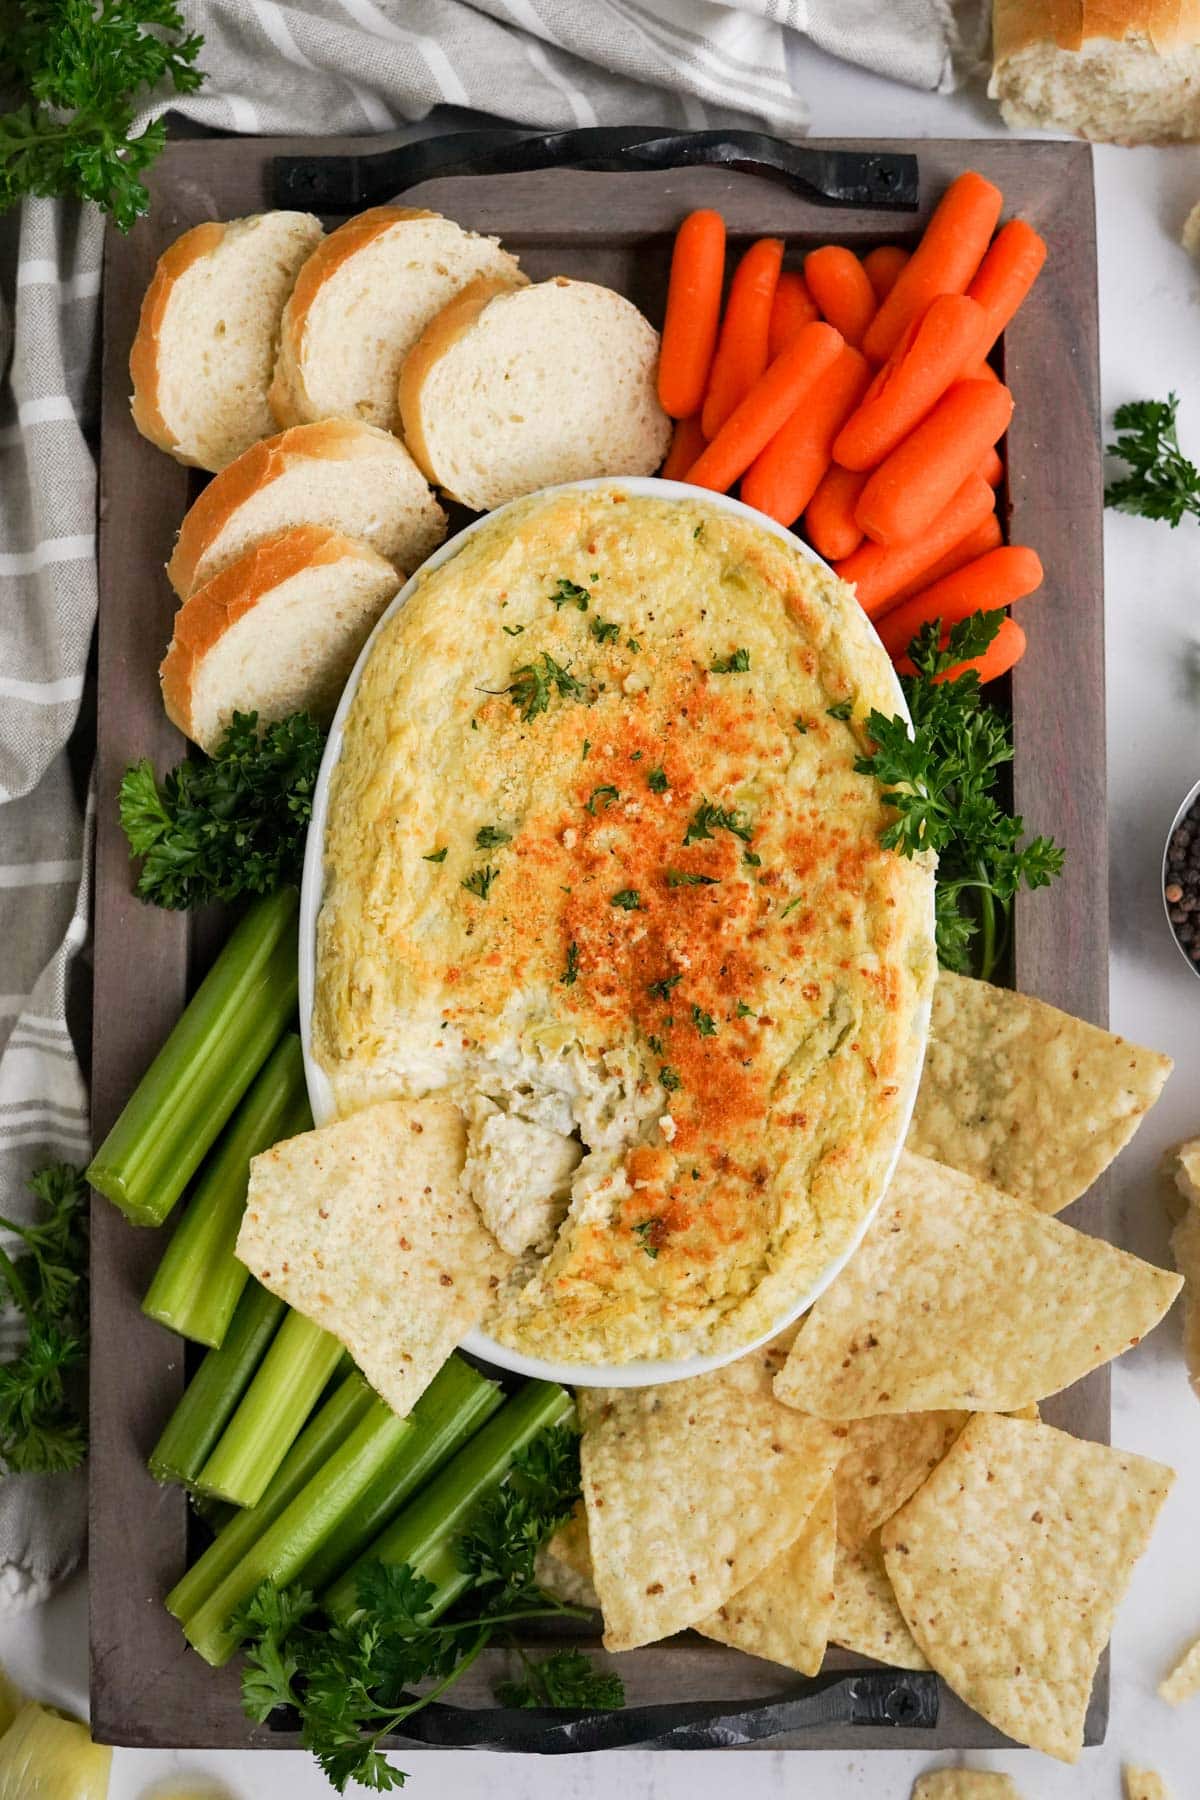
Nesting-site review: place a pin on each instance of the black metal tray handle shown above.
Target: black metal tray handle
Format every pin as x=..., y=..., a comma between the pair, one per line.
x=345, y=184
x=881, y=1697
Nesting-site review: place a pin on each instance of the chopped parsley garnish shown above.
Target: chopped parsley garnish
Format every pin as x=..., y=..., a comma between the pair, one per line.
x=569, y=593
x=708, y=818
x=488, y=837
x=670, y=1078
x=703, y=1022
x=570, y=974
x=608, y=793
x=629, y=900
x=751, y=860
x=583, y=754
x=605, y=631
x=643, y=1231
x=736, y=663
x=686, y=878
x=512, y=630
x=791, y=906
x=661, y=990
x=632, y=644
x=841, y=710
x=435, y=855
x=801, y=727
x=533, y=683
x=655, y=1043
x=698, y=529
x=657, y=781
x=744, y=1011
x=636, y=755
x=480, y=883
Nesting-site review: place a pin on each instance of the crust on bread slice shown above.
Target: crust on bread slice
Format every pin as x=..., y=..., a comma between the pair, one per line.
x=340, y=473
x=511, y=389
x=203, y=355
x=276, y=632
x=395, y=279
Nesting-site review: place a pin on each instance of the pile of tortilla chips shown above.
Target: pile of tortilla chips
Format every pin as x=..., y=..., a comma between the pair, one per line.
x=881, y=1479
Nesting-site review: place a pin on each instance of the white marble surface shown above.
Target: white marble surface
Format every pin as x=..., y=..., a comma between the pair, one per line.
x=1150, y=333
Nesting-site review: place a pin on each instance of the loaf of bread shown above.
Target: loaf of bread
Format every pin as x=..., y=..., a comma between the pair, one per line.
x=361, y=302
x=202, y=360
x=351, y=477
x=276, y=632
x=512, y=389
x=1118, y=71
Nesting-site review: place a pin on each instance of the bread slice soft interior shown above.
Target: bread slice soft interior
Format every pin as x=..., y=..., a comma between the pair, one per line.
x=204, y=354
x=1120, y=71
x=276, y=632
x=512, y=389
x=361, y=302
x=336, y=472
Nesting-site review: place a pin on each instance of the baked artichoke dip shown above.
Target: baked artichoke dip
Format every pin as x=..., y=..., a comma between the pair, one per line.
x=599, y=867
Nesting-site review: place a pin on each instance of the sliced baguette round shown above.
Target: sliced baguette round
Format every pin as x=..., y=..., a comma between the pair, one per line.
x=276, y=632
x=1118, y=71
x=336, y=472
x=204, y=353
x=512, y=389
x=360, y=303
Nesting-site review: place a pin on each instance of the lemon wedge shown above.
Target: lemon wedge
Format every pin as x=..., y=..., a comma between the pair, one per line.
x=45, y=1757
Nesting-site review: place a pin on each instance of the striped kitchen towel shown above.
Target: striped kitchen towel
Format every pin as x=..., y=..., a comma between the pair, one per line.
x=318, y=66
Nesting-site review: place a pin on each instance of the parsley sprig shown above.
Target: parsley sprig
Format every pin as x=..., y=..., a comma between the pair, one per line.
x=942, y=782
x=352, y=1684
x=533, y=683
x=78, y=72
x=1161, y=483
x=227, y=824
x=41, y=1419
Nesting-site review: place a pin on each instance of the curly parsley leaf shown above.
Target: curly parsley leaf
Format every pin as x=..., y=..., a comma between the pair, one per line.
x=533, y=683
x=942, y=783
x=45, y=1278
x=569, y=593
x=736, y=663
x=708, y=818
x=479, y=882
x=227, y=824
x=1161, y=483
x=564, y=1679
x=78, y=72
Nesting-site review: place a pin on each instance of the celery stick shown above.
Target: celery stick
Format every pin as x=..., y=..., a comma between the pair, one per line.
x=329, y=1427
x=453, y=1407
x=302, y=1526
x=294, y=1371
x=219, y=1044
x=214, y=1391
x=200, y=1280
x=426, y=1533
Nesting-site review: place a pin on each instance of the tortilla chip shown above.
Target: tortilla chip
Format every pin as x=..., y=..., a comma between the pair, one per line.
x=363, y=1227
x=963, y=1297
x=1144, y=1784
x=1026, y=1097
x=965, y=1784
x=691, y=1490
x=1183, y=1164
x=1184, y=1679
x=866, y=1617
x=884, y=1460
x=1009, y=1564
x=784, y=1613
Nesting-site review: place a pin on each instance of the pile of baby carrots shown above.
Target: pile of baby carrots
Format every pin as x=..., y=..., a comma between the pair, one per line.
x=858, y=396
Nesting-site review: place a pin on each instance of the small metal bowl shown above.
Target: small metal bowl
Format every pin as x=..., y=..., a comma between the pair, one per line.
x=1189, y=800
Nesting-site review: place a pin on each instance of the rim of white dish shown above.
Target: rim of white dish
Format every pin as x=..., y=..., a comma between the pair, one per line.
x=645, y=1372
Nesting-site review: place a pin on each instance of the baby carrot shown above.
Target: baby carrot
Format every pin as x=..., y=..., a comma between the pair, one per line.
x=784, y=478
x=991, y=467
x=792, y=307
x=985, y=537
x=927, y=361
x=742, y=348
x=771, y=402
x=687, y=441
x=944, y=261
x=980, y=371
x=883, y=264
x=1006, y=649
x=908, y=490
x=829, y=522
x=1007, y=273
x=989, y=584
x=693, y=313
x=842, y=290
x=882, y=571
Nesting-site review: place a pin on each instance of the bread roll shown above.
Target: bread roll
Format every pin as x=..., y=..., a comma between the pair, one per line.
x=1118, y=71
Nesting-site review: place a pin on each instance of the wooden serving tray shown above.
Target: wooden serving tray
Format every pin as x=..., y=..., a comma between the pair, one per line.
x=147, y=1687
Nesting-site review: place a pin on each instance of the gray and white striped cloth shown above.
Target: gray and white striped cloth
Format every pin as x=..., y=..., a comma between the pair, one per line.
x=321, y=66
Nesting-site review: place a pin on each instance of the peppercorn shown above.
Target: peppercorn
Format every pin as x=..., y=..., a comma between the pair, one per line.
x=1181, y=887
